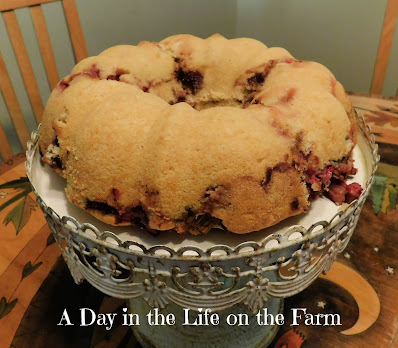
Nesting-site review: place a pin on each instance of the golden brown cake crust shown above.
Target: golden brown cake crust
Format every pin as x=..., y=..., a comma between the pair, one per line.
x=189, y=134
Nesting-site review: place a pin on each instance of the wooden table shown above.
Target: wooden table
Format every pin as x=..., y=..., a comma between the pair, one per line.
x=35, y=284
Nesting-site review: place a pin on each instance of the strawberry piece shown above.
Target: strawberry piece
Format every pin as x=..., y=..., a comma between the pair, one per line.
x=354, y=190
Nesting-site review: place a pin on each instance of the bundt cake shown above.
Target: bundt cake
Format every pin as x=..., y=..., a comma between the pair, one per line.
x=190, y=134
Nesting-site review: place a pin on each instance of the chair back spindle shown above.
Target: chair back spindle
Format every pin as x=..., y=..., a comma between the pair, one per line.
x=7, y=8
x=385, y=44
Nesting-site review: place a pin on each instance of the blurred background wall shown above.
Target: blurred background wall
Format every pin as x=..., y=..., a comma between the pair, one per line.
x=341, y=34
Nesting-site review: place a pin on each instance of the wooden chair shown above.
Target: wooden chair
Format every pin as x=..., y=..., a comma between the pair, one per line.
x=383, y=55
x=7, y=8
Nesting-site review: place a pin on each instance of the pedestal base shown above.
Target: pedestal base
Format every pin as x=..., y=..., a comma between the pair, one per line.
x=214, y=336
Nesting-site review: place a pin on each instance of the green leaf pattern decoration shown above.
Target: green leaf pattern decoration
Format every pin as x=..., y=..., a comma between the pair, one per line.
x=21, y=213
x=6, y=307
x=385, y=188
x=50, y=239
x=29, y=268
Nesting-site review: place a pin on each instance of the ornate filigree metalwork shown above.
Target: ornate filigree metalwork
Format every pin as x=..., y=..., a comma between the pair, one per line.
x=155, y=292
x=71, y=260
x=256, y=293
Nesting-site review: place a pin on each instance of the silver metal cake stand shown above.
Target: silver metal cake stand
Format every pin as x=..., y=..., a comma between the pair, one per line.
x=233, y=275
